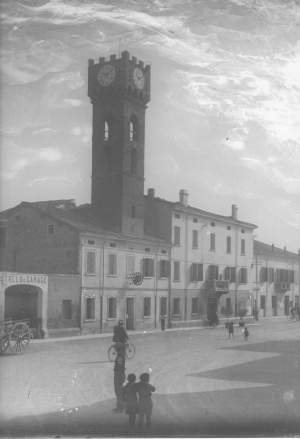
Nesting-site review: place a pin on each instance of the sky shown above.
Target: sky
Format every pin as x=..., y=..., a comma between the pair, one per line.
x=223, y=121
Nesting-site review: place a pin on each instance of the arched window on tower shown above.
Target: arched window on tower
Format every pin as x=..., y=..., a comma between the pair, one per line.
x=133, y=129
x=106, y=130
x=133, y=166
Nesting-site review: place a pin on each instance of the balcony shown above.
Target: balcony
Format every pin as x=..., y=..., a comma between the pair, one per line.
x=218, y=286
x=281, y=287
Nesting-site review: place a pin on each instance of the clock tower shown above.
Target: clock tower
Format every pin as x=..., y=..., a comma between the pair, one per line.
x=119, y=89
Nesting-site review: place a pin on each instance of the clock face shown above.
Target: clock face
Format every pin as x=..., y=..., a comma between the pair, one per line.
x=106, y=75
x=138, y=78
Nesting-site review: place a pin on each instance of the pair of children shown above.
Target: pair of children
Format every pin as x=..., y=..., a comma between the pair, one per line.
x=137, y=399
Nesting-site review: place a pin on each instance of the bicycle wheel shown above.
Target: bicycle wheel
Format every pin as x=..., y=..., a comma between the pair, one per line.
x=130, y=351
x=112, y=353
x=4, y=343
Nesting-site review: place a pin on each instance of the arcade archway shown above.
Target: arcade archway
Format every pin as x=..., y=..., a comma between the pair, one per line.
x=24, y=302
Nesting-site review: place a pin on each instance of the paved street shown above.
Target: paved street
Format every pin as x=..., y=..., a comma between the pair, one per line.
x=206, y=384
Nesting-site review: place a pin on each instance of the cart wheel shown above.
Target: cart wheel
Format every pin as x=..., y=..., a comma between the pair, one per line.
x=112, y=353
x=20, y=338
x=4, y=343
x=130, y=351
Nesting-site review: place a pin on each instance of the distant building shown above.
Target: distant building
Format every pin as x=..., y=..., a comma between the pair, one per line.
x=276, y=279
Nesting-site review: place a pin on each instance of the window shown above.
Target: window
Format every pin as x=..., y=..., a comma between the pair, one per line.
x=133, y=212
x=271, y=275
x=147, y=306
x=50, y=229
x=213, y=272
x=106, y=130
x=228, y=228
x=90, y=308
x=176, y=274
x=176, y=306
x=133, y=162
x=196, y=272
x=176, y=236
x=133, y=131
x=195, y=220
x=282, y=275
x=213, y=224
x=262, y=302
x=91, y=262
x=228, y=244
x=2, y=237
x=195, y=305
x=67, y=309
x=195, y=238
x=148, y=267
x=91, y=242
x=112, y=308
x=229, y=274
x=242, y=247
x=130, y=264
x=243, y=275
x=163, y=268
x=212, y=242
x=291, y=276
x=112, y=265
x=263, y=274
x=177, y=215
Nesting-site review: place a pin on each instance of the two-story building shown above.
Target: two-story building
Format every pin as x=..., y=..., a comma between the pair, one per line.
x=275, y=276
x=90, y=271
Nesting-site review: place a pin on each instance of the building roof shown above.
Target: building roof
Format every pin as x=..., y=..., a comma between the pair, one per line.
x=196, y=211
x=261, y=248
x=83, y=218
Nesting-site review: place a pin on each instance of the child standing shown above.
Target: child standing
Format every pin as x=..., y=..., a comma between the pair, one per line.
x=246, y=333
x=119, y=378
x=130, y=399
x=144, y=390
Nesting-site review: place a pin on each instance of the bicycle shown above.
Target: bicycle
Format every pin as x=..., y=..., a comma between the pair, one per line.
x=112, y=351
x=15, y=336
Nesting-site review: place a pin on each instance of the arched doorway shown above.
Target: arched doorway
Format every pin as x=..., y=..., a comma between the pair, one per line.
x=24, y=302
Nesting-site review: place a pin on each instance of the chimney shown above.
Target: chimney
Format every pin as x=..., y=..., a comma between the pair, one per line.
x=151, y=192
x=183, y=197
x=272, y=247
x=284, y=249
x=234, y=211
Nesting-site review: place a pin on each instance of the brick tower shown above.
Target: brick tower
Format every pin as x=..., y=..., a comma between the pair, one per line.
x=119, y=89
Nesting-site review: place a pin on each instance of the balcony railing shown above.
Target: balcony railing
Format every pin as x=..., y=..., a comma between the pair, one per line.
x=218, y=286
x=282, y=287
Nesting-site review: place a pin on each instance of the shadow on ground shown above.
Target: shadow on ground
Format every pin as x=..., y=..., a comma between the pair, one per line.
x=255, y=411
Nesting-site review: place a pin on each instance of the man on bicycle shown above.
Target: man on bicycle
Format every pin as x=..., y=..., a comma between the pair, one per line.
x=120, y=337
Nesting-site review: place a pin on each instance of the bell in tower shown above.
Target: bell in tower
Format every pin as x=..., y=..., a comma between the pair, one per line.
x=119, y=89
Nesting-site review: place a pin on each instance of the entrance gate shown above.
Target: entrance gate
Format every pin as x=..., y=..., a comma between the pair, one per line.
x=24, y=296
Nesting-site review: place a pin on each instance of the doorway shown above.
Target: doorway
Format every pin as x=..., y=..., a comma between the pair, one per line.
x=163, y=307
x=274, y=306
x=286, y=305
x=23, y=302
x=129, y=313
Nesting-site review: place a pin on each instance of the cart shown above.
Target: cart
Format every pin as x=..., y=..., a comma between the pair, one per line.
x=15, y=336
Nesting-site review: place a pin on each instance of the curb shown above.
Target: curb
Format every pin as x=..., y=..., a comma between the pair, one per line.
x=130, y=333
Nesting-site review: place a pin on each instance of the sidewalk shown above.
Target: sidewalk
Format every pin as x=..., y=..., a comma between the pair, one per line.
x=130, y=333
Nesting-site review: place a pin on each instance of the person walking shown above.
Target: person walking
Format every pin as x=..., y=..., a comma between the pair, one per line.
x=130, y=399
x=119, y=378
x=230, y=329
x=145, y=404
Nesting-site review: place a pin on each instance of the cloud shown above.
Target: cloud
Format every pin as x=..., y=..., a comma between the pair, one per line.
x=11, y=166
x=72, y=80
x=23, y=65
x=44, y=130
x=85, y=133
